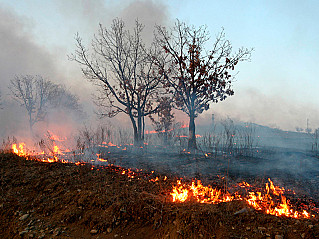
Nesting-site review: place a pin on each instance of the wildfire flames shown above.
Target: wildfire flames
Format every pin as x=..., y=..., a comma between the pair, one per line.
x=269, y=199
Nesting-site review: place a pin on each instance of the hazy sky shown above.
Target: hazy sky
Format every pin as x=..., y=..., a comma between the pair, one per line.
x=279, y=87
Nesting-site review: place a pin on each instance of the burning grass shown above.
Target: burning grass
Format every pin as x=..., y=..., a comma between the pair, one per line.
x=69, y=200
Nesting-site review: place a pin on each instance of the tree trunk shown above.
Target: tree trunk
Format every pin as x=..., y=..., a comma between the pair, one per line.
x=192, y=136
x=138, y=131
x=31, y=124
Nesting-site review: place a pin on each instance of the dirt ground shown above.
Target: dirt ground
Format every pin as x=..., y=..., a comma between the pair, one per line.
x=55, y=200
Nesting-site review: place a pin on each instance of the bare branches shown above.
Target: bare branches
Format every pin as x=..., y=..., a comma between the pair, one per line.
x=37, y=95
x=119, y=63
x=198, y=77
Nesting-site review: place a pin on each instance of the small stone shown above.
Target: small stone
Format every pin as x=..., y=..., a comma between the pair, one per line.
x=244, y=210
x=117, y=223
x=294, y=230
x=22, y=233
x=262, y=228
x=93, y=231
x=279, y=237
x=310, y=226
x=248, y=228
x=220, y=224
x=57, y=231
x=109, y=230
x=201, y=235
x=116, y=235
x=23, y=217
x=303, y=235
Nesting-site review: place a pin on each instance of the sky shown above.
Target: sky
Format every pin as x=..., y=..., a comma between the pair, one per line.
x=277, y=88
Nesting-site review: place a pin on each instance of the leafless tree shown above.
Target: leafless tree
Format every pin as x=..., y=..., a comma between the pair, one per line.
x=125, y=71
x=36, y=95
x=197, y=75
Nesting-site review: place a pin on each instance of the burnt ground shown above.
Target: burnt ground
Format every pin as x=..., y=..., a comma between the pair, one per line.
x=55, y=200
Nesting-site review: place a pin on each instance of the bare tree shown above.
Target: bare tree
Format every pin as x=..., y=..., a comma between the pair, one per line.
x=127, y=76
x=36, y=95
x=198, y=76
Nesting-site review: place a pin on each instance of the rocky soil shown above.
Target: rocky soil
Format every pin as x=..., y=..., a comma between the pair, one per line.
x=56, y=200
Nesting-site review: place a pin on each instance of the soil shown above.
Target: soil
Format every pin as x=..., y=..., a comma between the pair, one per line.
x=56, y=200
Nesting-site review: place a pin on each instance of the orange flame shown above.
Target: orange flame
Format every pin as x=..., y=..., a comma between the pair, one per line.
x=56, y=138
x=19, y=150
x=258, y=200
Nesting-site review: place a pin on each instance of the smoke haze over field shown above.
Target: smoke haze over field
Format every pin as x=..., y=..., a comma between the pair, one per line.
x=35, y=38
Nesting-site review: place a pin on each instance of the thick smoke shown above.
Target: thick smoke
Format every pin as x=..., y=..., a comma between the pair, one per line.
x=22, y=53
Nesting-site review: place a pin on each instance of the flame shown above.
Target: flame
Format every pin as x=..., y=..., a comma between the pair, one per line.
x=270, y=199
x=56, y=150
x=202, y=194
x=263, y=201
x=179, y=194
x=55, y=137
x=110, y=144
x=19, y=150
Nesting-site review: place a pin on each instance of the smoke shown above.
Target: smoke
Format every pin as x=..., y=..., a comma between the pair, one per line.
x=251, y=105
x=19, y=53
x=23, y=53
x=28, y=48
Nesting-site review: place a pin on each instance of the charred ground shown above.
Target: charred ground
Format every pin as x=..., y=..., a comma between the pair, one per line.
x=42, y=200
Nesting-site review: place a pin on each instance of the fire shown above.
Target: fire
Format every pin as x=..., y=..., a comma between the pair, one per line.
x=266, y=202
x=108, y=144
x=19, y=150
x=56, y=150
x=179, y=194
x=54, y=137
x=202, y=194
x=270, y=199
x=263, y=201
